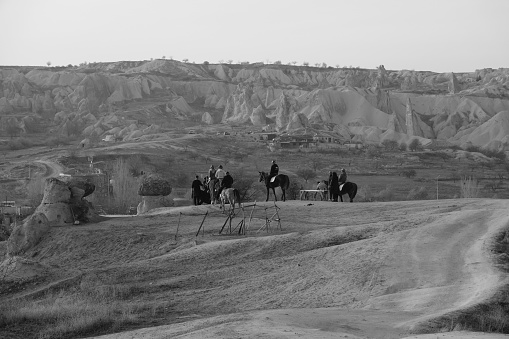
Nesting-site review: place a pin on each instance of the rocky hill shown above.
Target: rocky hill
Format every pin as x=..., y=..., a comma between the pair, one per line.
x=129, y=100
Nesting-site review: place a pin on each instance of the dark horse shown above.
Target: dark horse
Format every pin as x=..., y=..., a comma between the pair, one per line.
x=281, y=180
x=349, y=188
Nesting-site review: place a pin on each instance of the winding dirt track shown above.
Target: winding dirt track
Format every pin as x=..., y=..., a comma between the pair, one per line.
x=420, y=260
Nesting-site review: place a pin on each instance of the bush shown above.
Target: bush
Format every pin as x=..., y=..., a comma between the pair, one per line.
x=414, y=145
x=20, y=143
x=402, y=147
x=387, y=194
x=390, y=144
x=418, y=193
x=365, y=194
x=409, y=173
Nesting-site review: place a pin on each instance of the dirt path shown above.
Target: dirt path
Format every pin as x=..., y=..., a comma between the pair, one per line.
x=377, y=273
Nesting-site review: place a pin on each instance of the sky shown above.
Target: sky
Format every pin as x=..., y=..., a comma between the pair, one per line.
x=422, y=35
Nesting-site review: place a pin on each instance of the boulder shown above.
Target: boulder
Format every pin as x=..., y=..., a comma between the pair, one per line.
x=207, y=118
x=150, y=202
x=55, y=191
x=58, y=214
x=27, y=235
x=154, y=185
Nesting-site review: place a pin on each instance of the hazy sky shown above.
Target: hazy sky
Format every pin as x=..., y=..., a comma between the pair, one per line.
x=435, y=35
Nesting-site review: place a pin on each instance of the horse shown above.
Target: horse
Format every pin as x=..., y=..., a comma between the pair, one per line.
x=230, y=195
x=349, y=188
x=280, y=180
x=213, y=186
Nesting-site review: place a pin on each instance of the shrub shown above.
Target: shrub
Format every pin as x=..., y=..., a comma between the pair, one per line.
x=20, y=143
x=390, y=144
x=402, y=147
x=387, y=194
x=414, y=145
x=409, y=173
x=306, y=173
x=365, y=194
x=418, y=193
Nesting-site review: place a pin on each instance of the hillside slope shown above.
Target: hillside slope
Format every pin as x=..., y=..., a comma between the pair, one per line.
x=365, y=270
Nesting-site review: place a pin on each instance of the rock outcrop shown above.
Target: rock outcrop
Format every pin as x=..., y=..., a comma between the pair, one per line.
x=152, y=189
x=28, y=234
x=63, y=202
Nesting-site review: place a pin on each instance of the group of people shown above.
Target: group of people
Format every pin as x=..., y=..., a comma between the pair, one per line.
x=220, y=178
x=332, y=186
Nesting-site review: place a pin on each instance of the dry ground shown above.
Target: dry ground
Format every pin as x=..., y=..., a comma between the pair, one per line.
x=362, y=270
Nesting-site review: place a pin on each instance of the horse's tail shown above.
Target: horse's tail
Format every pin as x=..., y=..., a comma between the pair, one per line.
x=354, y=190
x=236, y=194
x=286, y=184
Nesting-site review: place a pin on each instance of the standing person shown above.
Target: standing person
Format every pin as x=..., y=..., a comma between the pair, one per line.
x=274, y=170
x=329, y=185
x=220, y=174
x=335, y=186
x=196, y=186
x=322, y=187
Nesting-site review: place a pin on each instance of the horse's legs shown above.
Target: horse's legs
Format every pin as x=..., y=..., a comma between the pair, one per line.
x=274, y=192
x=283, y=196
x=341, y=197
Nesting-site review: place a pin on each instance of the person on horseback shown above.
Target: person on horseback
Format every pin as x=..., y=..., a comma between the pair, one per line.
x=212, y=173
x=220, y=174
x=274, y=170
x=227, y=181
x=196, y=186
x=342, y=177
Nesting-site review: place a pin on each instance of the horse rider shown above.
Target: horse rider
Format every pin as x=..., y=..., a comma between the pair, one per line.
x=342, y=177
x=196, y=186
x=227, y=181
x=220, y=173
x=274, y=170
x=212, y=173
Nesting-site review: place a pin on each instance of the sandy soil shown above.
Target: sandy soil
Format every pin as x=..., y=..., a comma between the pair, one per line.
x=370, y=270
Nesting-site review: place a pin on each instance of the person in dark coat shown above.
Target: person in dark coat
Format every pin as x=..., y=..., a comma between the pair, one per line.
x=274, y=170
x=329, y=186
x=227, y=181
x=196, y=186
x=335, y=186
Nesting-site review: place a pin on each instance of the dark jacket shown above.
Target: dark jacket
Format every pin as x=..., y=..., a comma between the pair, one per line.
x=227, y=181
x=274, y=170
x=335, y=182
x=342, y=178
x=196, y=185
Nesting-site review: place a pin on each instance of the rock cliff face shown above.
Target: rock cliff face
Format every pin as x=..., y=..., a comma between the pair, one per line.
x=92, y=100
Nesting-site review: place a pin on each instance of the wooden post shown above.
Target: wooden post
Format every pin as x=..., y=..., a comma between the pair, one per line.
x=251, y=215
x=178, y=225
x=203, y=233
